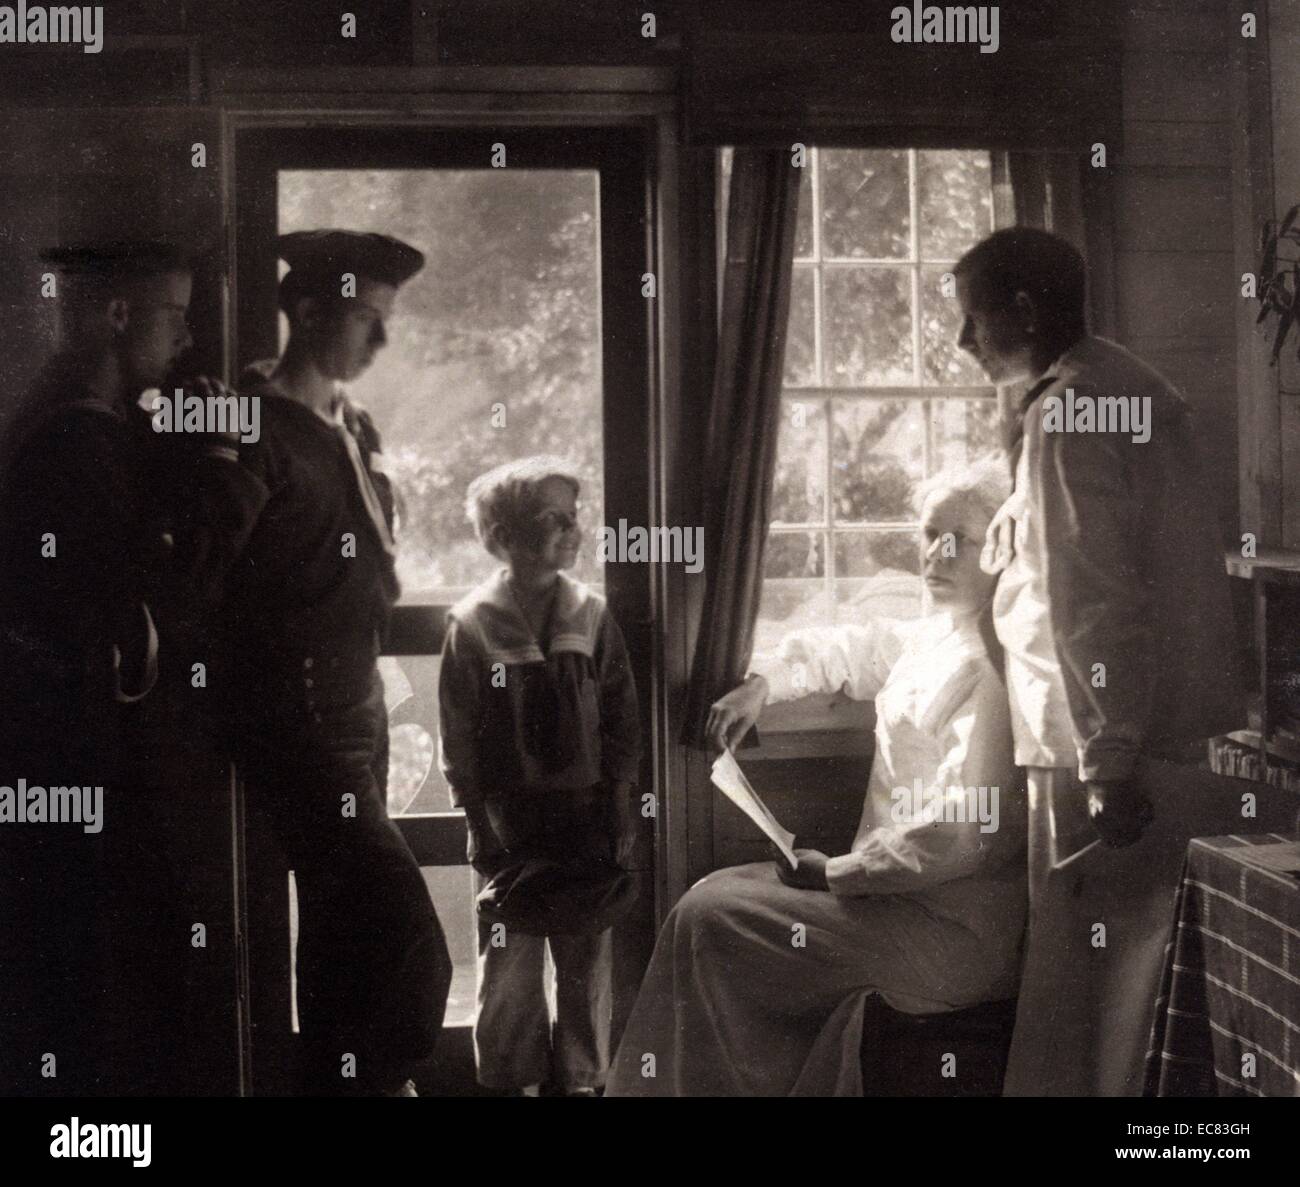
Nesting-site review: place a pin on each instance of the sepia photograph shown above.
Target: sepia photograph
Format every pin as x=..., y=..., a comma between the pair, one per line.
x=676, y=548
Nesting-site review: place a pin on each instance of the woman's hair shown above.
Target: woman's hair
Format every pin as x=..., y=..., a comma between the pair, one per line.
x=987, y=479
x=509, y=495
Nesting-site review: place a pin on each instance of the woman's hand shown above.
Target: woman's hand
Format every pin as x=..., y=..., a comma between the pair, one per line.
x=731, y=717
x=809, y=874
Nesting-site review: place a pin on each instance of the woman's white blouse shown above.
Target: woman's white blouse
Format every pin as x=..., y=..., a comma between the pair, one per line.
x=943, y=801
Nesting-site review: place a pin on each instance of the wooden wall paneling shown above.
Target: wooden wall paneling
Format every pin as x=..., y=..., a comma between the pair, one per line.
x=1167, y=295
x=1186, y=27
x=1176, y=144
x=1259, y=419
x=1187, y=211
x=1172, y=209
x=1096, y=194
x=29, y=213
x=1284, y=50
x=1289, y=425
x=1173, y=86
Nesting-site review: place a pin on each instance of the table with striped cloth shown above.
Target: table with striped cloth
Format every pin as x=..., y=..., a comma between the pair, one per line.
x=1230, y=989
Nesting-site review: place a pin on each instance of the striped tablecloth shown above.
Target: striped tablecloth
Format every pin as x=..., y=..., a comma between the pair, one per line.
x=1228, y=1016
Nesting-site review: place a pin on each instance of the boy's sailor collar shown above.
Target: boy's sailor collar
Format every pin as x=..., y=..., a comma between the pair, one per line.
x=570, y=596
x=263, y=375
x=507, y=637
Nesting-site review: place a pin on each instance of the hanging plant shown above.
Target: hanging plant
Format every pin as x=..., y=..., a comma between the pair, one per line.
x=1279, y=278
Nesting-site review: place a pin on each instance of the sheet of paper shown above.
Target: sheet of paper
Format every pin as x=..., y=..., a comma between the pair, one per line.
x=729, y=779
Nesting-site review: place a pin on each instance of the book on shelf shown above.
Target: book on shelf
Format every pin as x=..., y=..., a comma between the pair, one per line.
x=1237, y=754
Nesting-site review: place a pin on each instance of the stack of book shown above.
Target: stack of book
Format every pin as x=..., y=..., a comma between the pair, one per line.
x=1238, y=754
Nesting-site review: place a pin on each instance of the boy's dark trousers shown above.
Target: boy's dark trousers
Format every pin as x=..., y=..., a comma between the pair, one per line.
x=373, y=971
x=94, y=938
x=516, y=1043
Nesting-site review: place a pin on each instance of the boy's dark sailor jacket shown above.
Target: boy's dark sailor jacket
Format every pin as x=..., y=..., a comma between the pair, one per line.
x=515, y=719
x=289, y=565
x=89, y=576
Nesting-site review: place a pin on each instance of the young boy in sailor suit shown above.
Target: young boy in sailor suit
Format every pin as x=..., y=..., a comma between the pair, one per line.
x=540, y=747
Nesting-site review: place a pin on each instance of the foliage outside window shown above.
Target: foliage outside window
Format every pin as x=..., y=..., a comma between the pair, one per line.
x=494, y=347
x=877, y=396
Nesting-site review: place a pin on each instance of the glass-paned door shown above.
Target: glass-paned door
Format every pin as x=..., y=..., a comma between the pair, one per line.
x=523, y=334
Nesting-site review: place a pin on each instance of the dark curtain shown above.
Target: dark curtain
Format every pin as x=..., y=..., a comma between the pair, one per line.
x=1046, y=189
x=744, y=420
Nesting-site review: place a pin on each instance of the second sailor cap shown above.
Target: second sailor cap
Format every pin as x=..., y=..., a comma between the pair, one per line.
x=330, y=253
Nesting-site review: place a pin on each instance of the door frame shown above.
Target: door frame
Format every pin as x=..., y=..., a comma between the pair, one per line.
x=636, y=151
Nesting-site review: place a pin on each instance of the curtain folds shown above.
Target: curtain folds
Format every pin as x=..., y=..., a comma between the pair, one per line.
x=744, y=420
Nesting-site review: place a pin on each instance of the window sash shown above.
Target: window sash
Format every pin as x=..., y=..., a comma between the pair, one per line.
x=829, y=527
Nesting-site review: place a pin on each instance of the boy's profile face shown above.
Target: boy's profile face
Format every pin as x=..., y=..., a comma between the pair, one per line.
x=1000, y=340
x=155, y=333
x=346, y=335
x=551, y=540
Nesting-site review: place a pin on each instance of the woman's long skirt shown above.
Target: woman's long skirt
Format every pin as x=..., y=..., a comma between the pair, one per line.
x=756, y=988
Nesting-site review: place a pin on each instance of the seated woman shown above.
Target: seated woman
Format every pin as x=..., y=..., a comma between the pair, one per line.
x=927, y=909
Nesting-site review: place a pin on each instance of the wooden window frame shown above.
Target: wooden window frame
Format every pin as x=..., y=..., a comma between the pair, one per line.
x=829, y=725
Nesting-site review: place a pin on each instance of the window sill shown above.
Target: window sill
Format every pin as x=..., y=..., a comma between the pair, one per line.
x=815, y=727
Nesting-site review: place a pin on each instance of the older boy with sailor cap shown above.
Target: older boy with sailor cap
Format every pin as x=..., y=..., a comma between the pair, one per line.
x=85, y=577
x=305, y=602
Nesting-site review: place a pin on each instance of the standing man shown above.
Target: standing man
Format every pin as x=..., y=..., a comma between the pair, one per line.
x=91, y=940
x=305, y=605
x=1113, y=608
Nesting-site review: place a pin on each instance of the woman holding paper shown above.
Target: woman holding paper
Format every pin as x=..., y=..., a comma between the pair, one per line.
x=759, y=975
